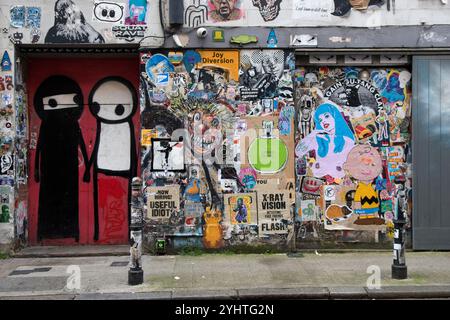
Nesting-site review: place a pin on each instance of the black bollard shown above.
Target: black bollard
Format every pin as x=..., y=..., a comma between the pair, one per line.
x=135, y=273
x=399, y=268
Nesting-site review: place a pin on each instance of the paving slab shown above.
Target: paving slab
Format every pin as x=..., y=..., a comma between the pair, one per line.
x=30, y=284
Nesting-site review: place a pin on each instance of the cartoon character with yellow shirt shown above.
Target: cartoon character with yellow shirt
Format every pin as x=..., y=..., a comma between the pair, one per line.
x=364, y=164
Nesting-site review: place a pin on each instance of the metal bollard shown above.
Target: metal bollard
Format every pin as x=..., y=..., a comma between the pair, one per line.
x=135, y=273
x=399, y=268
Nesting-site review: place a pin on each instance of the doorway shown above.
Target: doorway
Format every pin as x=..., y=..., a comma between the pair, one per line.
x=83, y=151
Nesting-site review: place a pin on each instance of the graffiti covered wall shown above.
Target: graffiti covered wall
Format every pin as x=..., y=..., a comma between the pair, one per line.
x=294, y=13
x=217, y=145
x=8, y=156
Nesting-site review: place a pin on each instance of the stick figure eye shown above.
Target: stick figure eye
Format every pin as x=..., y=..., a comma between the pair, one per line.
x=52, y=103
x=104, y=12
x=112, y=13
x=119, y=109
x=95, y=107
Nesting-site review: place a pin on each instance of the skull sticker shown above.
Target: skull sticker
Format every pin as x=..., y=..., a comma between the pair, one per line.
x=269, y=9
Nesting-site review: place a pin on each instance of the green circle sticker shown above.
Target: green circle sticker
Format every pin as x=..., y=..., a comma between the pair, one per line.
x=267, y=155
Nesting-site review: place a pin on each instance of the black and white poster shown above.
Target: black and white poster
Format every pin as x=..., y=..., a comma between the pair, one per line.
x=167, y=155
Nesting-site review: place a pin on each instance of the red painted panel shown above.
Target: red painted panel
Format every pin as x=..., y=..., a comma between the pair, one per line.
x=113, y=207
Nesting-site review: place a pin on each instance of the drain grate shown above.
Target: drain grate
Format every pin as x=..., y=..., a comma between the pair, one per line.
x=119, y=264
x=22, y=272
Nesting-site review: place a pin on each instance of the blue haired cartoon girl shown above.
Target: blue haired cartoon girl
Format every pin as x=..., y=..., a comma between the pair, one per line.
x=331, y=140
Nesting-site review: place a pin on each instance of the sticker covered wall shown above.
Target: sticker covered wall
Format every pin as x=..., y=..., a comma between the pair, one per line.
x=352, y=147
x=226, y=118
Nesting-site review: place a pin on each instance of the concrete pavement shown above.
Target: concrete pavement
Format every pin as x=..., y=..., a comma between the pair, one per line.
x=229, y=276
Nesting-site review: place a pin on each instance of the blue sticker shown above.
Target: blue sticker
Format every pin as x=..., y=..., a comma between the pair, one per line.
x=272, y=41
x=6, y=62
x=284, y=125
x=17, y=16
x=33, y=17
x=162, y=79
x=190, y=59
x=158, y=64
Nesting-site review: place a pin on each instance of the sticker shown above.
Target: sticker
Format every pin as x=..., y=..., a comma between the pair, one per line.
x=6, y=62
x=35, y=35
x=33, y=17
x=329, y=193
x=303, y=40
x=162, y=79
x=308, y=210
x=7, y=98
x=272, y=41
x=190, y=59
x=6, y=163
x=105, y=11
x=147, y=135
x=156, y=65
x=175, y=58
x=17, y=16
x=311, y=185
x=247, y=177
x=16, y=37
x=193, y=209
x=136, y=12
x=218, y=36
x=244, y=39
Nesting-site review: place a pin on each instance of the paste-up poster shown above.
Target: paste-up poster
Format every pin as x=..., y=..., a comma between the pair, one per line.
x=395, y=159
x=135, y=12
x=147, y=135
x=241, y=208
x=223, y=65
x=273, y=207
x=266, y=151
x=33, y=17
x=167, y=155
x=308, y=211
x=162, y=201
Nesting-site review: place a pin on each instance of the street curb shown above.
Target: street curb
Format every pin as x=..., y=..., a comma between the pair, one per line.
x=230, y=294
x=70, y=255
x=407, y=292
x=284, y=293
x=307, y=293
